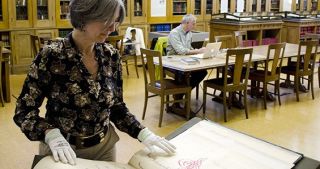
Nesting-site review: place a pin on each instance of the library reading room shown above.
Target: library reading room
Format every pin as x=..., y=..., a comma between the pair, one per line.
x=159, y=84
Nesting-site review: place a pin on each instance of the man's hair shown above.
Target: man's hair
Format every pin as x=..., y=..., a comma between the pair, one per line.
x=188, y=18
x=133, y=30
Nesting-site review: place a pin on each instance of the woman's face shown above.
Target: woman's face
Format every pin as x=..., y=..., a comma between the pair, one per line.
x=99, y=31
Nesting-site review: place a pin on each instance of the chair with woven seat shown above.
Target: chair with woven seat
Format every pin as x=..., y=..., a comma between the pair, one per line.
x=230, y=84
x=1, y=89
x=163, y=87
x=304, y=66
x=117, y=41
x=271, y=71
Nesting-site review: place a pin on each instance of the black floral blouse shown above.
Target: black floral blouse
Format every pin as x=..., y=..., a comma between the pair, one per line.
x=76, y=103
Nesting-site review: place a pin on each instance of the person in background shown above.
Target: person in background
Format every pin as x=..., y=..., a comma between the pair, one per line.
x=115, y=33
x=179, y=43
x=130, y=48
x=80, y=76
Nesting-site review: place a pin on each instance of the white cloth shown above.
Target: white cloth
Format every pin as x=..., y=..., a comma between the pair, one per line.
x=139, y=39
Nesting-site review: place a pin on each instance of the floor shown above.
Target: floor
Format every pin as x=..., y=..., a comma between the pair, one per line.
x=294, y=125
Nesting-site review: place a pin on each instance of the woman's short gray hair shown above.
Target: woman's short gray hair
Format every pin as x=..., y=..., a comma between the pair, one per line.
x=188, y=18
x=83, y=12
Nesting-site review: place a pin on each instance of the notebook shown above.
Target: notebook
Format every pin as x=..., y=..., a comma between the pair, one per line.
x=212, y=49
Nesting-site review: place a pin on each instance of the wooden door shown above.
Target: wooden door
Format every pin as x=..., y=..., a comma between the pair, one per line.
x=127, y=7
x=62, y=14
x=138, y=11
x=197, y=9
x=4, y=14
x=179, y=8
x=43, y=13
x=20, y=13
x=21, y=51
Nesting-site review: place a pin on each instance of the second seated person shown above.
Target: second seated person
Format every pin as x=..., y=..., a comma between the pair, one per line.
x=179, y=43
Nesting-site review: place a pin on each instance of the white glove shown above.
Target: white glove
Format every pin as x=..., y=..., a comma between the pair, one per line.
x=60, y=148
x=149, y=139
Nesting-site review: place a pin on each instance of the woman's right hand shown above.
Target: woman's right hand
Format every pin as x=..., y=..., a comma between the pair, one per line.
x=60, y=148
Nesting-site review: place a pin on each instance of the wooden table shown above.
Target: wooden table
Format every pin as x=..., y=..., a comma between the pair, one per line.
x=5, y=74
x=259, y=54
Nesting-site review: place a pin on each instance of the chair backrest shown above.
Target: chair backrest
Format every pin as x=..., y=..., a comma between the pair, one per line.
x=306, y=62
x=274, y=59
x=242, y=58
x=117, y=42
x=227, y=41
x=205, y=42
x=139, y=38
x=240, y=38
x=311, y=36
x=161, y=45
x=35, y=44
x=147, y=59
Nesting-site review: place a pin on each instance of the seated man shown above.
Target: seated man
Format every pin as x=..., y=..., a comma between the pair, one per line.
x=130, y=49
x=179, y=43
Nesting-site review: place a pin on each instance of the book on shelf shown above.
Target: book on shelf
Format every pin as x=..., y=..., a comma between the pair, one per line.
x=204, y=145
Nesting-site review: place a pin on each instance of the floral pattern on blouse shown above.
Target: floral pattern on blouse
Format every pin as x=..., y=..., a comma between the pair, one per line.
x=76, y=102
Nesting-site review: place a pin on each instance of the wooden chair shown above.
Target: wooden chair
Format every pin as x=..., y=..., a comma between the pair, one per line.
x=314, y=36
x=163, y=87
x=304, y=65
x=227, y=41
x=228, y=84
x=271, y=71
x=117, y=41
x=241, y=38
x=35, y=44
x=1, y=89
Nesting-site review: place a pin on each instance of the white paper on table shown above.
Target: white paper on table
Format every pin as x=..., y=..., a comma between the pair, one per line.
x=49, y=163
x=208, y=145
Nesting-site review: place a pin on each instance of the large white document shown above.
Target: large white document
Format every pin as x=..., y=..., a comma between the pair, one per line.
x=210, y=146
x=205, y=145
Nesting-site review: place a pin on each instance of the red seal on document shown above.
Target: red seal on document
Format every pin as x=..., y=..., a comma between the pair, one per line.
x=190, y=164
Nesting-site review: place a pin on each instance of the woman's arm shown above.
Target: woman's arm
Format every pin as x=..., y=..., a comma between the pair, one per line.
x=31, y=97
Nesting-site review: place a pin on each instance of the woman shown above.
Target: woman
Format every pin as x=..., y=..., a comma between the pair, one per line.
x=80, y=76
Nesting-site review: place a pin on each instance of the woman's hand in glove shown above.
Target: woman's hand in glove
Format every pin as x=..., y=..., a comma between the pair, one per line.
x=149, y=139
x=60, y=148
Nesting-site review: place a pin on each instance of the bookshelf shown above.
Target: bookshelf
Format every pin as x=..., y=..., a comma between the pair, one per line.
x=43, y=13
x=3, y=14
x=20, y=13
x=5, y=38
x=62, y=14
